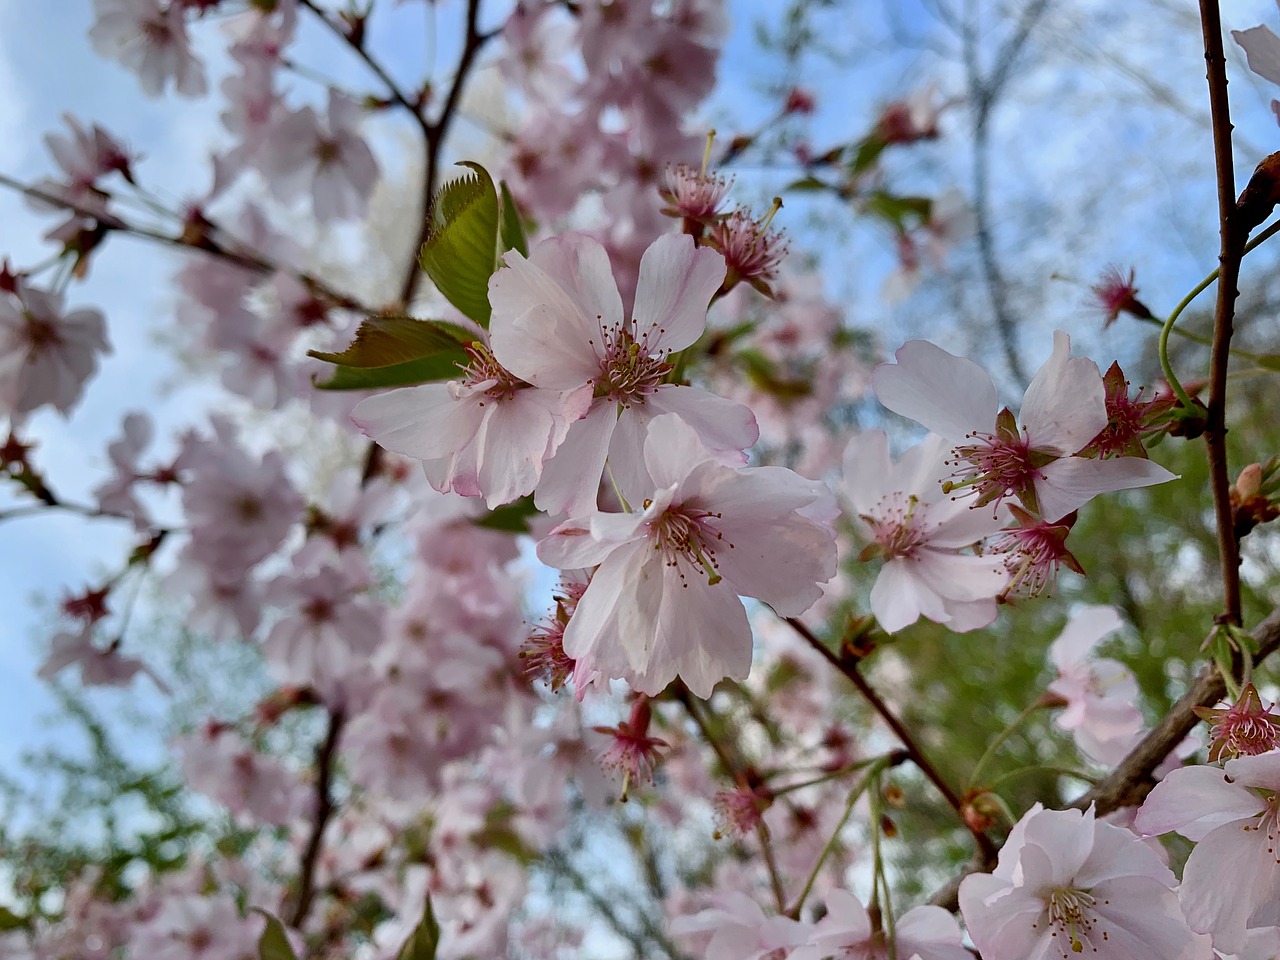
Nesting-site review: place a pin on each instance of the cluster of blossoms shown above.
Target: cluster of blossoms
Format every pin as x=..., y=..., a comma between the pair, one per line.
x=641, y=389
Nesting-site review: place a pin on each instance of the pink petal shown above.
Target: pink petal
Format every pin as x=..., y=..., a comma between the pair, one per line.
x=1229, y=874
x=1068, y=484
x=999, y=918
x=947, y=394
x=570, y=480
x=959, y=576
x=1262, y=50
x=1195, y=801
x=899, y=598
x=672, y=447
x=1260, y=771
x=423, y=422
x=1142, y=920
x=930, y=933
x=721, y=424
x=1118, y=852
x=867, y=477
x=677, y=282
x=1065, y=405
x=517, y=434
x=1083, y=632
x=570, y=546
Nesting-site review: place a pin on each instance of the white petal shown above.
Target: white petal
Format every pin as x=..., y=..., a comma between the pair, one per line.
x=1142, y=920
x=423, y=422
x=949, y=395
x=1228, y=875
x=959, y=576
x=677, y=282
x=899, y=598
x=999, y=918
x=1260, y=771
x=1118, y=852
x=570, y=546
x=1070, y=483
x=867, y=477
x=1195, y=801
x=1065, y=405
x=1083, y=632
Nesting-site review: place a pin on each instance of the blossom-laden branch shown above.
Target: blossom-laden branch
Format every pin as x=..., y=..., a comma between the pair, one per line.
x=1130, y=781
x=986, y=847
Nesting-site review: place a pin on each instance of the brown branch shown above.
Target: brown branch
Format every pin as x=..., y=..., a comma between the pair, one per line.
x=986, y=847
x=326, y=756
x=1233, y=238
x=199, y=240
x=435, y=133
x=398, y=95
x=735, y=767
x=1130, y=782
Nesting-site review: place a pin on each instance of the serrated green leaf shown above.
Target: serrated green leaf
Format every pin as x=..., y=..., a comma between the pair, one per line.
x=460, y=253
x=511, y=228
x=442, y=366
x=510, y=517
x=274, y=942
x=425, y=939
x=387, y=340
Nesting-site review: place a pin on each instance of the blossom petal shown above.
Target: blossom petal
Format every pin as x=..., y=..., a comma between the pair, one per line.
x=1195, y=801
x=899, y=598
x=1067, y=484
x=423, y=422
x=999, y=918
x=722, y=424
x=1083, y=632
x=1262, y=770
x=1142, y=919
x=570, y=481
x=1262, y=50
x=1228, y=875
x=949, y=395
x=1065, y=405
x=677, y=281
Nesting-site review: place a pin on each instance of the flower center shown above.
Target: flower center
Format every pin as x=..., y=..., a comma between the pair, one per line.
x=993, y=466
x=1072, y=917
x=893, y=526
x=1267, y=822
x=484, y=371
x=630, y=368
x=685, y=535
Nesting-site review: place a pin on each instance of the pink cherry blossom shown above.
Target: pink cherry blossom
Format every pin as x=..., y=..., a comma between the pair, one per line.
x=328, y=160
x=1030, y=456
x=219, y=763
x=737, y=928
x=664, y=601
x=46, y=356
x=1067, y=885
x=1232, y=878
x=922, y=535
x=1100, y=693
x=922, y=933
x=488, y=434
x=151, y=40
x=558, y=323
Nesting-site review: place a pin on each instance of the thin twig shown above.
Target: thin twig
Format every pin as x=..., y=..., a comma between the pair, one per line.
x=918, y=757
x=398, y=95
x=1233, y=239
x=326, y=756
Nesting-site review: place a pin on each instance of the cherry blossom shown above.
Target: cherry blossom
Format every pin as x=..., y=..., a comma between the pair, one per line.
x=1099, y=693
x=737, y=928
x=558, y=323
x=327, y=160
x=151, y=40
x=46, y=355
x=488, y=435
x=922, y=933
x=1068, y=884
x=921, y=534
x=1231, y=881
x=664, y=600
x=1031, y=456
x=1245, y=729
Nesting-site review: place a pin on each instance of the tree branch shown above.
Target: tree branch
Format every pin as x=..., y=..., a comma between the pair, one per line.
x=1233, y=238
x=1130, y=782
x=326, y=756
x=986, y=847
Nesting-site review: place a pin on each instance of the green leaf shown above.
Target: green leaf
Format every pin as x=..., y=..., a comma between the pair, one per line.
x=869, y=151
x=443, y=366
x=274, y=942
x=424, y=940
x=807, y=184
x=387, y=340
x=511, y=229
x=11, y=921
x=898, y=210
x=460, y=253
x=510, y=517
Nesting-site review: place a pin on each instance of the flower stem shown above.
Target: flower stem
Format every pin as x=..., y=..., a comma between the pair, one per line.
x=1002, y=736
